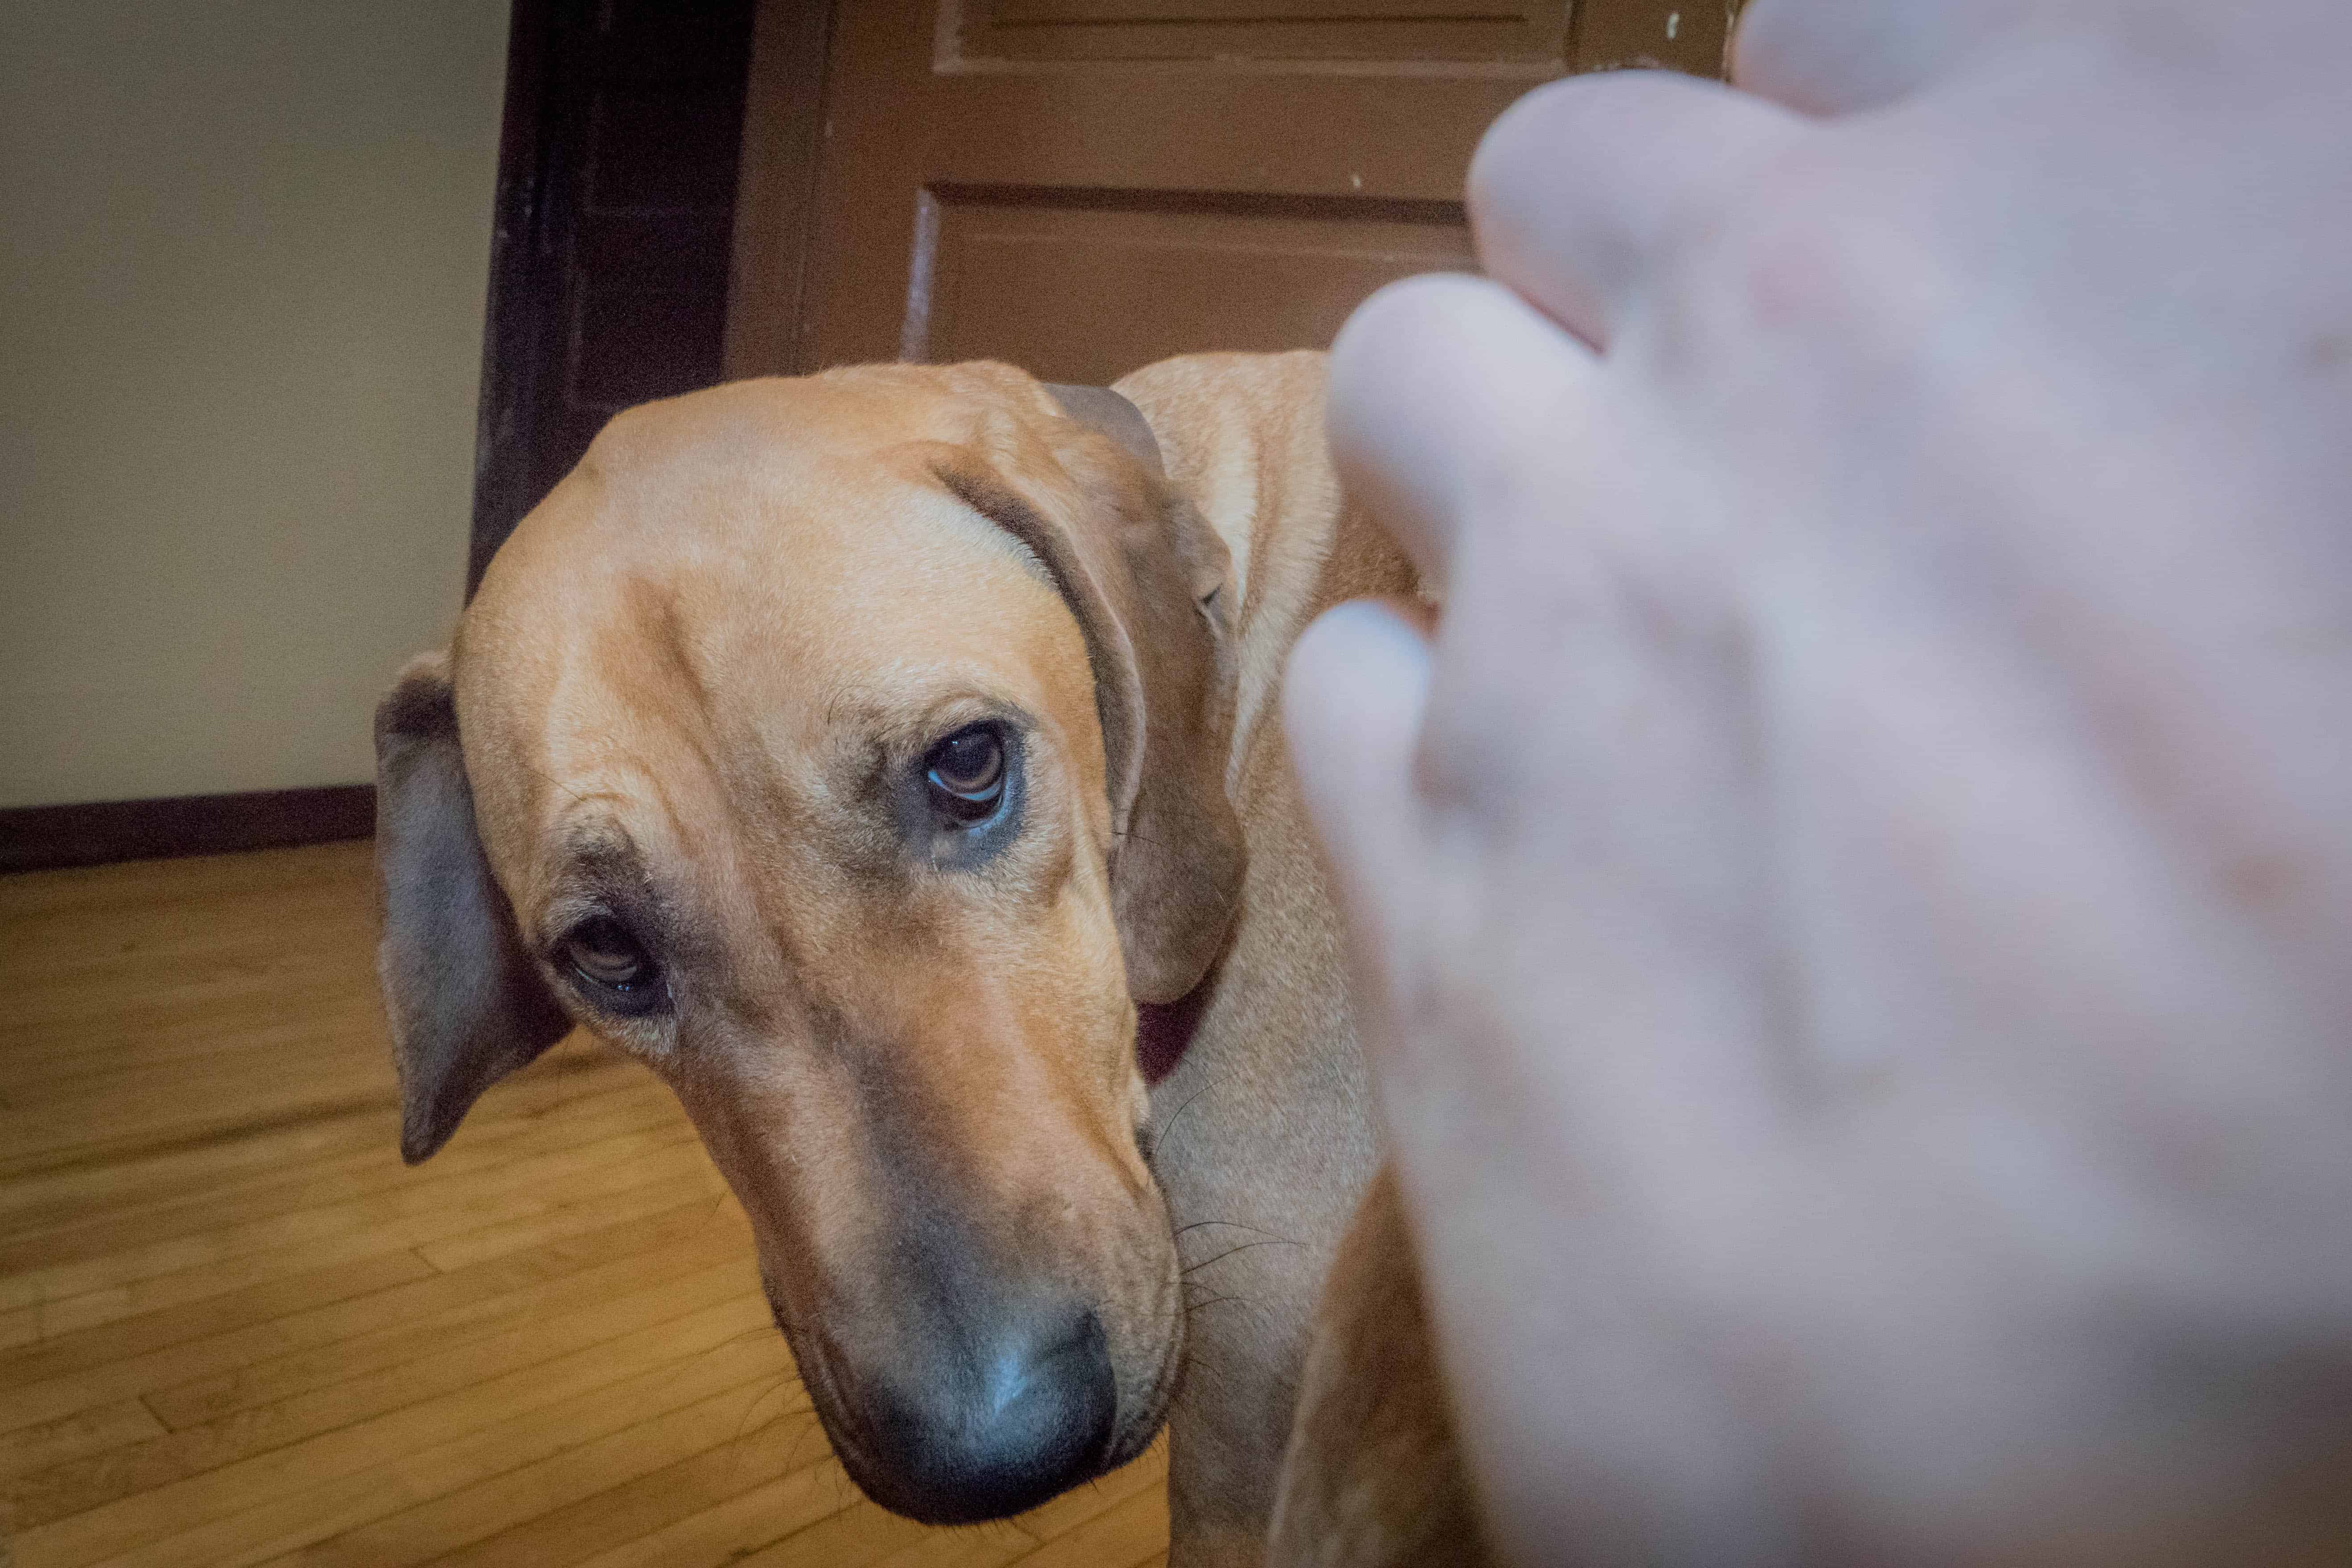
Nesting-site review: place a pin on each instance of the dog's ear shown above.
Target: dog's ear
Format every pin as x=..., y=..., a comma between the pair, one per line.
x=466, y=1003
x=1106, y=412
x=1145, y=575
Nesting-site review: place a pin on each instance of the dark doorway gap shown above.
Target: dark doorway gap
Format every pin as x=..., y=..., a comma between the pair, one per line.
x=614, y=225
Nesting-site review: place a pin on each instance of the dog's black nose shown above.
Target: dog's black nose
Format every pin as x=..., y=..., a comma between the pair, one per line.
x=1010, y=1421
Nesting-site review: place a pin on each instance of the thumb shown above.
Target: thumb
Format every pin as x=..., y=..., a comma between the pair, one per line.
x=1351, y=708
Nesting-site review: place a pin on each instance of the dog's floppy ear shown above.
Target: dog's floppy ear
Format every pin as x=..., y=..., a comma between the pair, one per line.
x=1101, y=410
x=466, y=1003
x=1145, y=575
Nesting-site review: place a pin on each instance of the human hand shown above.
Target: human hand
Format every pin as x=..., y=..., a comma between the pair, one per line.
x=1852, y=905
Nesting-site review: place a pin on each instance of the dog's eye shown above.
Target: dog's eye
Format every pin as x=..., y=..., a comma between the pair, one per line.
x=965, y=775
x=602, y=951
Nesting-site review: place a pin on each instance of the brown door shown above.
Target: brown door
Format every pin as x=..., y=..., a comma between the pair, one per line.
x=1083, y=186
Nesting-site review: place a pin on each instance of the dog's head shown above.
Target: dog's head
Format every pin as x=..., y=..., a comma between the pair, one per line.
x=851, y=749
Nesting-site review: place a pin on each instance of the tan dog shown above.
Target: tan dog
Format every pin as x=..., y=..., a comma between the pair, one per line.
x=858, y=750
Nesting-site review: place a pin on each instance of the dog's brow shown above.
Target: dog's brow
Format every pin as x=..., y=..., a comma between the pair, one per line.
x=601, y=847
x=600, y=870
x=601, y=859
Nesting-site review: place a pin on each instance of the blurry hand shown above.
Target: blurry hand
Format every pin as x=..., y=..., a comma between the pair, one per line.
x=1853, y=903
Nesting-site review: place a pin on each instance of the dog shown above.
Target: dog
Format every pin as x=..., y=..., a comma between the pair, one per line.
x=889, y=759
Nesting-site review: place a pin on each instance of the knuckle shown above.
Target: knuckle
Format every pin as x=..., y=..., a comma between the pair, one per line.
x=1818, y=256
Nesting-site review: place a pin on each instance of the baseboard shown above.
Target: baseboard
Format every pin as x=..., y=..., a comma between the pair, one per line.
x=39, y=837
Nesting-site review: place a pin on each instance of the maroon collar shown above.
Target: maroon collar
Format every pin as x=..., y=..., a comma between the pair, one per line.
x=1164, y=1029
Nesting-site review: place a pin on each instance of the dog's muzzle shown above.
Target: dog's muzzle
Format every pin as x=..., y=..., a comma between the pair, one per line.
x=991, y=1415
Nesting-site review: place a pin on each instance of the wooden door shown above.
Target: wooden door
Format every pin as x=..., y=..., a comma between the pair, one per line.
x=1083, y=186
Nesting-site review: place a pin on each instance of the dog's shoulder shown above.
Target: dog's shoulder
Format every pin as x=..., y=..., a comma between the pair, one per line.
x=1372, y=1478
x=1242, y=435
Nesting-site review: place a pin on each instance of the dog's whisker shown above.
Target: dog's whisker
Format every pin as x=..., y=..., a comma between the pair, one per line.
x=793, y=1454
x=746, y=1337
x=745, y=1428
x=1236, y=1225
x=1160, y=1140
x=1244, y=1247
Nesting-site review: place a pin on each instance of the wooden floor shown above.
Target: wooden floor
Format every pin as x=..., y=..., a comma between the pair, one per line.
x=234, y=1329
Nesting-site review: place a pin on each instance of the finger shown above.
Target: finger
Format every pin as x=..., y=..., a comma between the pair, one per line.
x=1442, y=387
x=1351, y=708
x=1581, y=187
x=1355, y=696
x=1841, y=57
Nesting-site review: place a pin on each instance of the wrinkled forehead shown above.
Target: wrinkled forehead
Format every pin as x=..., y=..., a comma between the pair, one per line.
x=659, y=644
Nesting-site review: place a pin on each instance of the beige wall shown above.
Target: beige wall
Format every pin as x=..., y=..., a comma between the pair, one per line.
x=242, y=251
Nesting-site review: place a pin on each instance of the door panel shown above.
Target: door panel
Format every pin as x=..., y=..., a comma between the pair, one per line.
x=1092, y=288
x=1234, y=30
x=1082, y=186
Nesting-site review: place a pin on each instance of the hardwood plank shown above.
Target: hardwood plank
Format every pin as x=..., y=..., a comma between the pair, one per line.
x=540, y=1219
x=53, y=1268
x=418, y=1332
x=58, y=1376
x=102, y=1174
x=28, y=1450
x=723, y=1534
x=33, y=1193
x=850, y=1538
x=135, y=1110
x=686, y=1356
x=645, y=1501
x=522, y=1153
x=568, y=1219
x=1115, y=1537
x=225, y=1333
x=127, y=890
x=505, y=1520
x=573, y=1219
x=111, y=1304
x=973, y=1546
x=80, y=1484
x=294, y=1517
x=63, y=1035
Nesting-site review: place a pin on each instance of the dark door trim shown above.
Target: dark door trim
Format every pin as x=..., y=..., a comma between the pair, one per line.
x=523, y=308
x=39, y=837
